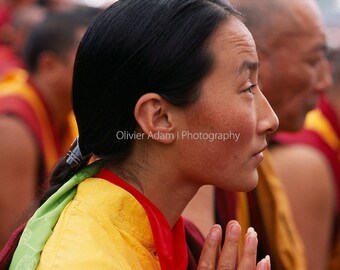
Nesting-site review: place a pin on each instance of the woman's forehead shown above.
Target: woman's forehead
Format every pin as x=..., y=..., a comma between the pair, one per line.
x=232, y=43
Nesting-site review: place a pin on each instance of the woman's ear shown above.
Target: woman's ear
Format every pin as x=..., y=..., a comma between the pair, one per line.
x=153, y=114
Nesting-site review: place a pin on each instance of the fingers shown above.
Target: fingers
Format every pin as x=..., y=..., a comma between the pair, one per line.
x=211, y=249
x=229, y=254
x=211, y=257
x=248, y=260
x=264, y=264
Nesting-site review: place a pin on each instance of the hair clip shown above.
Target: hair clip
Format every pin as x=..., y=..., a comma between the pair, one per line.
x=74, y=157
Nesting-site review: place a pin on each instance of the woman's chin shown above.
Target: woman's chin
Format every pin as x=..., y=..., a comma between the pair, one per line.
x=244, y=184
x=249, y=183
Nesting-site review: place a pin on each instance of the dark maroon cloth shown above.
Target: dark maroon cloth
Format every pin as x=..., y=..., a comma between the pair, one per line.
x=7, y=252
x=195, y=241
x=225, y=210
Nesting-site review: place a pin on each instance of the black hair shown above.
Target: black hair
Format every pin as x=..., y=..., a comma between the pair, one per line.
x=132, y=48
x=56, y=34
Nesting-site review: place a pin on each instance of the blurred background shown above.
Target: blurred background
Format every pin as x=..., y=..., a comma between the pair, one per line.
x=330, y=10
x=331, y=13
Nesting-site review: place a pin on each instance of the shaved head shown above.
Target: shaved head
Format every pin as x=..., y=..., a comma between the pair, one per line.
x=272, y=20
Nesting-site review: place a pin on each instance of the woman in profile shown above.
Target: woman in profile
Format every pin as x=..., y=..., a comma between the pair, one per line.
x=153, y=69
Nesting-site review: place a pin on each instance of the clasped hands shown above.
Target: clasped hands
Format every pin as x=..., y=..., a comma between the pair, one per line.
x=213, y=257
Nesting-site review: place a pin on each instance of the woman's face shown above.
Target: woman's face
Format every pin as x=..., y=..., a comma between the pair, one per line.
x=222, y=135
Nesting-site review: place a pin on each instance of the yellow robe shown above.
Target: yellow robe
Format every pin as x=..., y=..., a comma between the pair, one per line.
x=103, y=227
x=282, y=239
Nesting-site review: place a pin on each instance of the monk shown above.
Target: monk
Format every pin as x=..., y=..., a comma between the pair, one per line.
x=35, y=114
x=315, y=153
x=291, y=44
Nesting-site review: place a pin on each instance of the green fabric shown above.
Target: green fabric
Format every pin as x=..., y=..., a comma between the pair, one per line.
x=40, y=226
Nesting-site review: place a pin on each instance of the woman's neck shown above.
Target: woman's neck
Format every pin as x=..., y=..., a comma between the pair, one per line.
x=160, y=186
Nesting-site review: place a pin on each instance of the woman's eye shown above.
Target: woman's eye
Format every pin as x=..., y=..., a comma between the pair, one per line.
x=250, y=89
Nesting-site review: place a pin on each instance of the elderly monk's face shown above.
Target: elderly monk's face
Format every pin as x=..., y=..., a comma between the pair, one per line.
x=293, y=72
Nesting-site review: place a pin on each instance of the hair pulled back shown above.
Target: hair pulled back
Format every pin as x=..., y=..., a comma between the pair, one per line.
x=132, y=48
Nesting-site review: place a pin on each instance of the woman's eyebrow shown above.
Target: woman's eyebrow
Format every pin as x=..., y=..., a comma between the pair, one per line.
x=248, y=65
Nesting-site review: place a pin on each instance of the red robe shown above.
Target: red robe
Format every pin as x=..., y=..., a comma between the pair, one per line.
x=322, y=131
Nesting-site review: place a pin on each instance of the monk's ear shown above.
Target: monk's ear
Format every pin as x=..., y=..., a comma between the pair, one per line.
x=154, y=116
x=47, y=61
